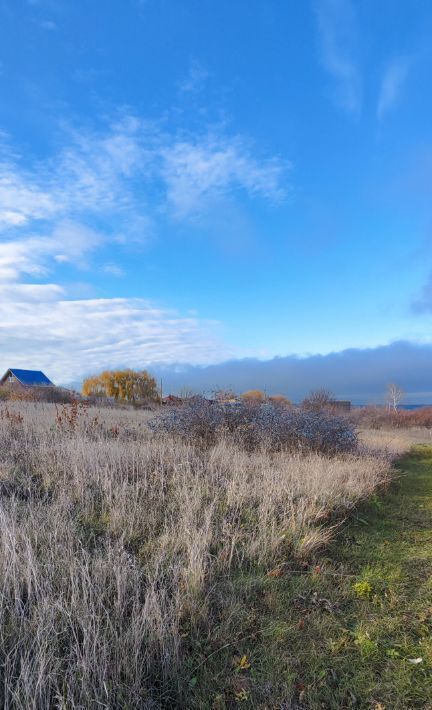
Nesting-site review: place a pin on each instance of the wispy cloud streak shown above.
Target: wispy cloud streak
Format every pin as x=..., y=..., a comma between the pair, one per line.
x=198, y=172
x=122, y=169
x=112, y=185
x=337, y=29
x=391, y=85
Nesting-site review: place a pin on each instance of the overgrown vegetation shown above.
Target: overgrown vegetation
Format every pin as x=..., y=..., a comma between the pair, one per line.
x=135, y=567
x=385, y=417
x=355, y=631
x=253, y=425
x=18, y=393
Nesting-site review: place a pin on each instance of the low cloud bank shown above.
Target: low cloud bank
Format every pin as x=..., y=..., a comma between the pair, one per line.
x=360, y=375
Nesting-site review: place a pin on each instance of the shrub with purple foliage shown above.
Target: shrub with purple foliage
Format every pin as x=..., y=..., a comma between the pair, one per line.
x=256, y=426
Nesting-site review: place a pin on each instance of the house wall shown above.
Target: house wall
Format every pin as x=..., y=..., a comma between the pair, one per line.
x=8, y=379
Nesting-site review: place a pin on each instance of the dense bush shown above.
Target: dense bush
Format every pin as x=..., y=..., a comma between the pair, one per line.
x=255, y=426
x=52, y=394
x=384, y=418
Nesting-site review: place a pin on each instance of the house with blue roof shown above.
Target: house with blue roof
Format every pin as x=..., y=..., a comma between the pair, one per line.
x=25, y=378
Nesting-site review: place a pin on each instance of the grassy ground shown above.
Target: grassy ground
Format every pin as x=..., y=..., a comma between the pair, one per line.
x=143, y=571
x=134, y=567
x=353, y=630
x=396, y=441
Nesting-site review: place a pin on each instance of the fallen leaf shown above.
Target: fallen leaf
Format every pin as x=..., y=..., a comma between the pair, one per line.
x=276, y=572
x=415, y=661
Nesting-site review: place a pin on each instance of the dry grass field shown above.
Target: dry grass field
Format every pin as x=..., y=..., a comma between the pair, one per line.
x=396, y=441
x=119, y=549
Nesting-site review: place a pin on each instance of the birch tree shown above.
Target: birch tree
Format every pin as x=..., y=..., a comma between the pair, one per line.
x=394, y=396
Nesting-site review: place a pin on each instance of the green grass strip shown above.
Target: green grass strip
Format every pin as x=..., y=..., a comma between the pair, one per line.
x=356, y=632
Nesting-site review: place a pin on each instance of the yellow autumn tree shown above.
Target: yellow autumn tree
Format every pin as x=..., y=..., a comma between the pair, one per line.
x=279, y=400
x=123, y=385
x=254, y=396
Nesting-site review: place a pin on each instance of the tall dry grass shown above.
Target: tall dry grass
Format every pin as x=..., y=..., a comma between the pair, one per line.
x=115, y=545
x=395, y=441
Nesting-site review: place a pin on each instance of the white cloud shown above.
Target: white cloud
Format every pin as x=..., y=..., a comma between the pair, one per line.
x=21, y=197
x=102, y=187
x=69, y=338
x=19, y=293
x=22, y=257
x=69, y=242
x=337, y=33
x=391, y=85
x=96, y=172
x=124, y=178
x=14, y=219
x=197, y=172
x=116, y=173
x=91, y=174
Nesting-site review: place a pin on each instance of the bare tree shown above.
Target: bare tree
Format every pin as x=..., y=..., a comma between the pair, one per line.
x=318, y=400
x=394, y=396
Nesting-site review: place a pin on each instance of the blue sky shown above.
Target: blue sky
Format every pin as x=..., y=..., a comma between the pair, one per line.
x=194, y=181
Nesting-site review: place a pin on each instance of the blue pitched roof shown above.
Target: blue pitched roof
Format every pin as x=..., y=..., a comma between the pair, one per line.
x=30, y=377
